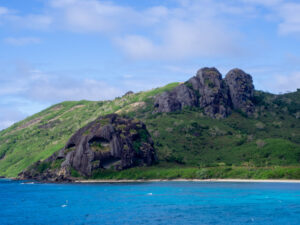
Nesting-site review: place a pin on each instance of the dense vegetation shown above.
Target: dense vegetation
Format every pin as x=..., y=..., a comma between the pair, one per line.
x=189, y=144
x=175, y=171
x=39, y=136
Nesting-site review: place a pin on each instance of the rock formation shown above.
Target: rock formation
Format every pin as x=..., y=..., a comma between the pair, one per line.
x=176, y=99
x=213, y=92
x=109, y=142
x=128, y=93
x=207, y=90
x=241, y=90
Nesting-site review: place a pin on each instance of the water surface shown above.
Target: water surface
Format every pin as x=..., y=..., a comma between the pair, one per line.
x=149, y=203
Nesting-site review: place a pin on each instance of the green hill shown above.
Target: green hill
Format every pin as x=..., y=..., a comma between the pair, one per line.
x=39, y=136
x=188, y=143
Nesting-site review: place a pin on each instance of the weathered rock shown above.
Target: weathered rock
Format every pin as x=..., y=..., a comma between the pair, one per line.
x=241, y=90
x=207, y=90
x=213, y=92
x=108, y=142
x=128, y=93
x=176, y=99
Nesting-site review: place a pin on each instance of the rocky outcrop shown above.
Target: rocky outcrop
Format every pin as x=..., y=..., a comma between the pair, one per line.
x=180, y=97
x=207, y=90
x=128, y=93
x=110, y=142
x=213, y=92
x=241, y=90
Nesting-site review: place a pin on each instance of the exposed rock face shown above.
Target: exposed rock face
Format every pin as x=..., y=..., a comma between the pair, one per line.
x=213, y=92
x=241, y=90
x=108, y=142
x=207, y=90
x=176, y=99
x=128, y=93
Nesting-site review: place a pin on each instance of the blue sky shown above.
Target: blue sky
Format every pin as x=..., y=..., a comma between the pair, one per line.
x=57, y=50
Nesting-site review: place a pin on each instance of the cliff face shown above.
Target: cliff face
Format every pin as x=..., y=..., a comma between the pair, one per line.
x=207, y=90
x=110, y=142
x=241, y=90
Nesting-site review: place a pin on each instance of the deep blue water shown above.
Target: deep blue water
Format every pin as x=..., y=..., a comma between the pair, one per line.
x=149, y=203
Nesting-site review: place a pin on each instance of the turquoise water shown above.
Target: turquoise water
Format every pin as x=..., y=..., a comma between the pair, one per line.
x=150, y=203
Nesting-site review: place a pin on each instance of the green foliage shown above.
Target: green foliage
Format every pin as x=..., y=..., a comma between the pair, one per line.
x=56, y=164
x=209, y=83
x=173, y=171
x=188, y=84
x=30, y=140
x=142, y=137
x=136, y=146
x=74, y=173
x=196, y=139
x=43, y=166
x=253, y=146
x=100, y=147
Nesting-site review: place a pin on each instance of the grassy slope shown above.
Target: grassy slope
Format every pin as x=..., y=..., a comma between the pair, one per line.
x=42, y=134
x=175, y=171
x=186, y=141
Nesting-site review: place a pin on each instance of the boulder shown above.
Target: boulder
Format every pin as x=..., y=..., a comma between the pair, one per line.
x=208, y=91
x=128, y=93
x=109, y=142
x=176, y=99
x=213, y=92
x=241, y=90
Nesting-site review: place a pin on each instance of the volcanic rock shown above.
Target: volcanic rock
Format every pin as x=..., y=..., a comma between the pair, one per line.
x=213, y=92
x=109, y=142
x=241, y=90
x=176, y=99
x=208, y=91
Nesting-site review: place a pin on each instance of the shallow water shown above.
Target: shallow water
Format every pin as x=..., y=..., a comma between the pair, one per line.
x=150, y=203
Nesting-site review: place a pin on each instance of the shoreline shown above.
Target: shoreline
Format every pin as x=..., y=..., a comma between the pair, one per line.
x=190, y=180
x=230, y=180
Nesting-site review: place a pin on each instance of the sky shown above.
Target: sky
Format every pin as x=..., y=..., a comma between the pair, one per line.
x=58, y=50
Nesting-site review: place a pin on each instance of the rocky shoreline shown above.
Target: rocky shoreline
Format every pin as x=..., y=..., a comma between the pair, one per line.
x=190, y=180
x=165, y=180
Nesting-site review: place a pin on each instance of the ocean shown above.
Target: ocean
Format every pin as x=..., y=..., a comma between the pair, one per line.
x=149, y=203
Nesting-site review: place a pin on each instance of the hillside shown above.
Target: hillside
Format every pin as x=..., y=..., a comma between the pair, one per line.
x=39, y=136
x=187, y=138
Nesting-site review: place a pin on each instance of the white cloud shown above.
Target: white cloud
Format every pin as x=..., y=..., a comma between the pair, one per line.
x=263, y=2
x=6, y=123
x=181, y=69
x=137, y=47
x=112, y=18
x=30, y=21
x=9, y=115
x=56, y=89
x=285, y=13
x=290, y=14
x=3, y=11
x=192, y=28
x=103, y=16
x=20, y=41
x=35, y=85
x=90, y=15
x=283, y=83
x=182, y=39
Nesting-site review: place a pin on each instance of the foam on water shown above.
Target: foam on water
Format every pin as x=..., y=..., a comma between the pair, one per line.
x=28, y=183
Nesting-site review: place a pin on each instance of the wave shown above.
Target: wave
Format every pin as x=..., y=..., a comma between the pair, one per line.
x=28, y=183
